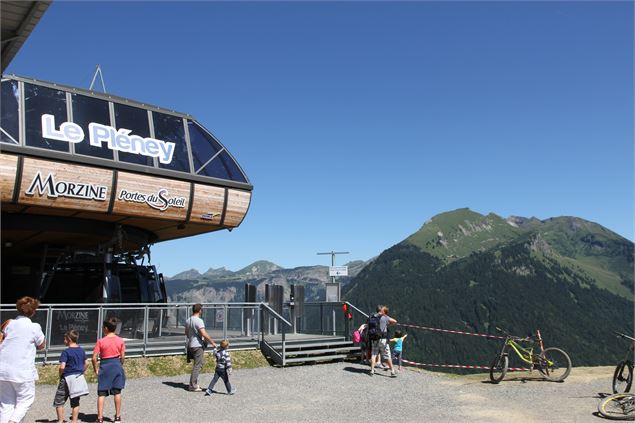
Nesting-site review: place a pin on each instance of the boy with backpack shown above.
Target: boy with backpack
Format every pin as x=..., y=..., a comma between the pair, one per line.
x=378, y=336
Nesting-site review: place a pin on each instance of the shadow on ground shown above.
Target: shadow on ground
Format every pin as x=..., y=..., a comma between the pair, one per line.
x=178, y=385
x=82, y=417
x=356, y=370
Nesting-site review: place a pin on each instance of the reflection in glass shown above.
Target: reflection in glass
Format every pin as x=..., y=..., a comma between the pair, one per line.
x=39, y=101
x=235, y=174
x=136, y=120
x=9, y=116
x=204, y=147
x=169, y=128
x=86, y=110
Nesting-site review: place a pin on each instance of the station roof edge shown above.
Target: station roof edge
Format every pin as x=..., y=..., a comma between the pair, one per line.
x=97, y=94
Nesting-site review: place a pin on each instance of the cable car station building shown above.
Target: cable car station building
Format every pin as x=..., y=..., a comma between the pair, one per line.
x=87, y=174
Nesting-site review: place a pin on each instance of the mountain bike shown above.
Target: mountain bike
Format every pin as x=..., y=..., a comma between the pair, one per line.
x=623, y=376
x=618, y=407
x=553, y=363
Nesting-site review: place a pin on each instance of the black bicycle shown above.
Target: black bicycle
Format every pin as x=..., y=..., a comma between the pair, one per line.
x=623, y=376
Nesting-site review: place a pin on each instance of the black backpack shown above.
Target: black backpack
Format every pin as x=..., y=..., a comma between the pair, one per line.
x=374, y=333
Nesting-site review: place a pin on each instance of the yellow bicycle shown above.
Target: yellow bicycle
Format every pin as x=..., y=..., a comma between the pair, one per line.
x=553, y=363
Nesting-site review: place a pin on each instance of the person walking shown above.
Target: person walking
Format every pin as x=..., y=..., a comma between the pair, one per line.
x=73, y=364
x=197, y=341
x=378, y=334
x=223, y=369
x=111, y=378
x=19, y=341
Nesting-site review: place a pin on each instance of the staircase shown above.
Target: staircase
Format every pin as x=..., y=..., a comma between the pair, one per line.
x=311, y=350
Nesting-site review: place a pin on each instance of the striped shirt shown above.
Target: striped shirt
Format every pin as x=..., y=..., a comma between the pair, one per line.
x=223, y=359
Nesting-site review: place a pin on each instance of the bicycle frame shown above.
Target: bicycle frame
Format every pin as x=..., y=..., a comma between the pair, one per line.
x=526, y=354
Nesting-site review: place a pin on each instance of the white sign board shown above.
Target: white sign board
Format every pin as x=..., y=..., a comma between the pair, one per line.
x=338, y=271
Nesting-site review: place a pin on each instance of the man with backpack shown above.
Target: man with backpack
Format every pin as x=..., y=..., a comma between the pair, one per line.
x=377, y=330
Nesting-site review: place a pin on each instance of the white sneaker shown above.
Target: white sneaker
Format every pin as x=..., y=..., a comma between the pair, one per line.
x=233, y=391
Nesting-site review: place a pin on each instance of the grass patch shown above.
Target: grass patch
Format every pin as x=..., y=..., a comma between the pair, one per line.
x=161, y=366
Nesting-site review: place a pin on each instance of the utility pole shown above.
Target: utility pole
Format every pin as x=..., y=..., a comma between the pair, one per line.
x=333, y=285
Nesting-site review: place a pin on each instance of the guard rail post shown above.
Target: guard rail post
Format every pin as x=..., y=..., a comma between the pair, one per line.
x=284, y=345
x=261, y=312
x=225, y=318
x=48, y=329
x=146, y=316
x=321, y=318
x=100, y=320
x=347, y=325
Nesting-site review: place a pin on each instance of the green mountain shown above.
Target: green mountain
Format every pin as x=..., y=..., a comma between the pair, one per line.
x=568, y=277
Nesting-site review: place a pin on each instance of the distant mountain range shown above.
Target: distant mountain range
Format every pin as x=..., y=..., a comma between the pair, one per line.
x=568, y=277
x=222, y=285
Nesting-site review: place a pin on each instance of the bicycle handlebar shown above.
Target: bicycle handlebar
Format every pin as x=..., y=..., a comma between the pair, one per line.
x=621, y=335
x=515, y=338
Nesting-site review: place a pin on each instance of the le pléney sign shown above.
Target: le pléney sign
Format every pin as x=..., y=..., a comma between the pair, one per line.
x=115, y=139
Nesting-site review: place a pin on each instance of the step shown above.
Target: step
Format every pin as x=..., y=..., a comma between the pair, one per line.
x=312, y=344
x=305, y=343
x=313, y=359
x=322, y=351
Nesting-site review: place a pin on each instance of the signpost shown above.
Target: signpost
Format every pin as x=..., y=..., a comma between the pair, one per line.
x=338, y=271
x=334, y=293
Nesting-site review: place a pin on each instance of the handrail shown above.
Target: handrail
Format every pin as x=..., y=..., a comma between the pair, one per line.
x=275, y=314
x=356, y=309
x=109, y=305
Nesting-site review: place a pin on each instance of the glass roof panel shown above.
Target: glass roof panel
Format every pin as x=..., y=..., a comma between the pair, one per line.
x=170, y=128
x=136, y=120
x=9, y=117
x=44, y=101
x=86, y=110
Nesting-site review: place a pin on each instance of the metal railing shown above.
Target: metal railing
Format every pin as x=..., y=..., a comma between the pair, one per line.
x=273, y=327
x=148, y=329
x=158, y=329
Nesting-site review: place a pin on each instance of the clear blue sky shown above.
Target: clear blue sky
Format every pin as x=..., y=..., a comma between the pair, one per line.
x=356, y=122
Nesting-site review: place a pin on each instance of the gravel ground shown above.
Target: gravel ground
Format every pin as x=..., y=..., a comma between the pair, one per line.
x=345, y=392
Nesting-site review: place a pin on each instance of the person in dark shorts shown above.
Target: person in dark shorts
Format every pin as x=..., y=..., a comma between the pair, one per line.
x=73, y=364
x=111, y=378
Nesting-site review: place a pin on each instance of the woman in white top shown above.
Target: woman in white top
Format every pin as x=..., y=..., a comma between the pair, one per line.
x=18, y=341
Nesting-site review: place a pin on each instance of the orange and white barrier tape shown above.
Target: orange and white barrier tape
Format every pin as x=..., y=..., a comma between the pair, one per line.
x=461, y=366
x=484, y=335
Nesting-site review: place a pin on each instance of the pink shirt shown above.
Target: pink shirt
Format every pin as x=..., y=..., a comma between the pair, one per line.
x=109, y=347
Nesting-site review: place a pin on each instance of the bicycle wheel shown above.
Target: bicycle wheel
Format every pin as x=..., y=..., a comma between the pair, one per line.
x=555, y=364
x=618, y=407
x=498, y=369
x=623, y=377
